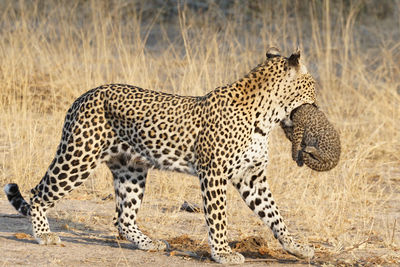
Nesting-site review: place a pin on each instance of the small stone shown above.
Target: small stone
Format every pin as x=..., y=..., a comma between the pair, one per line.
x=190, y=207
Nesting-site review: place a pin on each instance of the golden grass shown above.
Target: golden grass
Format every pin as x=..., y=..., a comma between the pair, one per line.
x=51, y=53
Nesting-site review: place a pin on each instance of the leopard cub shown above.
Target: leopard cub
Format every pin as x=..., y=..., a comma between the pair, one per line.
x=315, y=141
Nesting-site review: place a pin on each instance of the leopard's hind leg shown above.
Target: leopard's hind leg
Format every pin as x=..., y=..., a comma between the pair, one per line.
x=65, y=173
x=81, y=149
x=129, y=184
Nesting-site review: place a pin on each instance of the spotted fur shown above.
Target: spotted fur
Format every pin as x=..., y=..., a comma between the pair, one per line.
x=315, y=141
x=220, y=137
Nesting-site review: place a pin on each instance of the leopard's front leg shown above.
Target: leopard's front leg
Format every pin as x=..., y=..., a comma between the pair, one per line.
x=255, y=192
x=214, y=203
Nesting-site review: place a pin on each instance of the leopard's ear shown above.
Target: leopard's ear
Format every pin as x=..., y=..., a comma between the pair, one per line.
x=294, y=58
x=273, y=52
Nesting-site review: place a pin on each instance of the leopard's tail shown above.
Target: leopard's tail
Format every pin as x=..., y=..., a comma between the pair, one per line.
x=16, y=199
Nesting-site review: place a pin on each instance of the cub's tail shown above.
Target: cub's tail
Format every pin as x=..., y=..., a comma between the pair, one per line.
x=16, y=199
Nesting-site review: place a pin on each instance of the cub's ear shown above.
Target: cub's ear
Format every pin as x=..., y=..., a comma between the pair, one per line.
x=273, y=52
x=294, y=59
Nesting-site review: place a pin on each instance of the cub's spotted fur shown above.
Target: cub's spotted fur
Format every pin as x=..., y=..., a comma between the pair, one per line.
x=314, y=140
x=220, y=137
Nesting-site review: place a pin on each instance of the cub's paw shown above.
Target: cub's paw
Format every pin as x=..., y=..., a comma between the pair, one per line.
x=228, y=258
x=315, y=153
x=311, y=150
x=48, y=239
x=299, y=158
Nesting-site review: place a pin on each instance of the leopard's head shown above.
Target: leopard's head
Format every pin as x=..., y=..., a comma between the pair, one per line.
x=288, y=80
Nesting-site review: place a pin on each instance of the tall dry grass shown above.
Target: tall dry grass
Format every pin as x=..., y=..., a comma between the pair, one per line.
x=52, y=52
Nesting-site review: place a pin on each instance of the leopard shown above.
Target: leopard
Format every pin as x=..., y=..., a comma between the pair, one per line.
x=221, y=137
x=315, y=142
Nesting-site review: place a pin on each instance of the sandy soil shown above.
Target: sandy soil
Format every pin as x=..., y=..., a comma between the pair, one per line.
x=89, y=238
x=95, y=242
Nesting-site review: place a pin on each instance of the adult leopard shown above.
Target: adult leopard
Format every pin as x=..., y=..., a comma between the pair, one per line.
x=220, y=137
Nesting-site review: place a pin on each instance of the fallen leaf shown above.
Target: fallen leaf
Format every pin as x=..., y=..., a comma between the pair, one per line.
x=23, y=236
x=263, y=250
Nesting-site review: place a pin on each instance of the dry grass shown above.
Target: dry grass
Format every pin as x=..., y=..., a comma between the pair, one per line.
x=51, y=53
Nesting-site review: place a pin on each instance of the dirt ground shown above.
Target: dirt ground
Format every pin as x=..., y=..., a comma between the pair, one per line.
x=89, y=238
x=96, y=242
